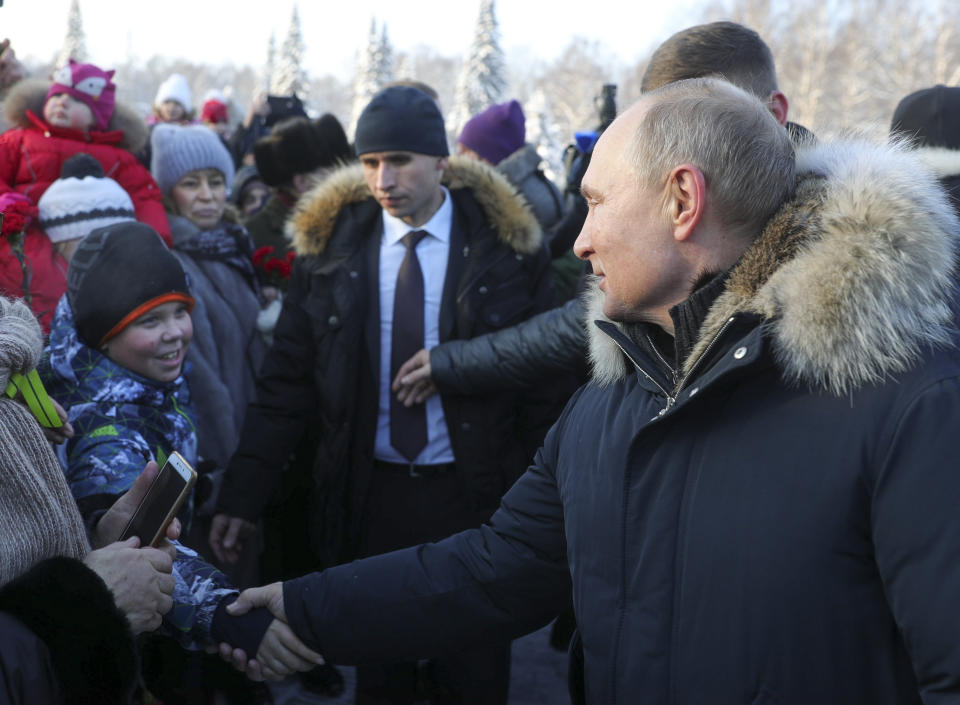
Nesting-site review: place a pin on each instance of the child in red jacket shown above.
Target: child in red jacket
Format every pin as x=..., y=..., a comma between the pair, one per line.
x=77, y=113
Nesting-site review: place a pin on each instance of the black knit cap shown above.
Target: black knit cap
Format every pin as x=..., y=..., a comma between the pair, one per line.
x=930, y=116
x=118, y=273
x=401, y=119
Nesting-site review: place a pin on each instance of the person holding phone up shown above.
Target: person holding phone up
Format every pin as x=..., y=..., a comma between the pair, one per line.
x=115, y=361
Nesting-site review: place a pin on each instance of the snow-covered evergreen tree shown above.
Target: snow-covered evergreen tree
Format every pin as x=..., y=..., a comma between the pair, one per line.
x=545, y=134
x=266, y=77
x=385, y=57
x=374, y=69
x=74, y=45
x=288, y=74
x=482, y=81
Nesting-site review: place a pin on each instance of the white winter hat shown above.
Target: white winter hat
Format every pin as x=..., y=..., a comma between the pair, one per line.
x=81, y=200
x=175, y=88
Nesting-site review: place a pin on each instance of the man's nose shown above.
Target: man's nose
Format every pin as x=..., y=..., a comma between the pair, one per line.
x=581, y=246
x=386, y=179
x=205, y=192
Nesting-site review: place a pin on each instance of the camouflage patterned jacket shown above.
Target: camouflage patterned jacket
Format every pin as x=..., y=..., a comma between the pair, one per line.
x=122, y=420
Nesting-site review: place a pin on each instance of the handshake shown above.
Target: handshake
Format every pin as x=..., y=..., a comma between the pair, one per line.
x=281, y=652
x=142, y=582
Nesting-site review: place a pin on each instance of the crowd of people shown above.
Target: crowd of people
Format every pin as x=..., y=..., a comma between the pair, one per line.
x=693, y=401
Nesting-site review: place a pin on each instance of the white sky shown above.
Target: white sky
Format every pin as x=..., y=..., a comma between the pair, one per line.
x=237, y=31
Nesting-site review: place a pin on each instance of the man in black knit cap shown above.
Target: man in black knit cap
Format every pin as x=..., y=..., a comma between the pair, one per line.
x=408, y=249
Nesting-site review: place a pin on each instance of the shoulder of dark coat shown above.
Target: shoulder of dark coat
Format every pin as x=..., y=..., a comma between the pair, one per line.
x=311, y=224
x=91, y=645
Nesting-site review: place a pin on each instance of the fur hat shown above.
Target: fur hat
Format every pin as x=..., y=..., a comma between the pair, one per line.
x=117, y=274
x=89, y=84
x=175, y=88
x=81, y=200
x=931, y=116
x=496, y=133
x=178, y=150
x=299, y=145
x=401, y=118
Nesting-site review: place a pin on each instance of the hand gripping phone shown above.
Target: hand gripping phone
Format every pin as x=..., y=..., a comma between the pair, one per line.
x=162, y=501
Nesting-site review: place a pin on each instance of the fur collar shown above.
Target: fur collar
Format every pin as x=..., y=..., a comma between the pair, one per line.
x=941, y=161
x=311, y=224
x=854, y=275
x=29, y=94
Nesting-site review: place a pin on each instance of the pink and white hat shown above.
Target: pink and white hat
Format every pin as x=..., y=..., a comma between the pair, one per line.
x=89, y=84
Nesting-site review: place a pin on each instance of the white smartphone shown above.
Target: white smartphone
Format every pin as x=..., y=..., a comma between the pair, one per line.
x=163, y=500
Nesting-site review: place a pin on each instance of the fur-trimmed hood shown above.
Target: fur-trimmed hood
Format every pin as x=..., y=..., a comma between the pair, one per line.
x=29, y=95
x=854, y=275
x=311, y=224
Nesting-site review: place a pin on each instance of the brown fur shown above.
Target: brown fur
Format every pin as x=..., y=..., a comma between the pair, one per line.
x=29, y=94
x=311, y=224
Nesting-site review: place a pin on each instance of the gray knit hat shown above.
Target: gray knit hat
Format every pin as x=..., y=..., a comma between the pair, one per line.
x=81, y=200
x=179, y=150
x=38, y=515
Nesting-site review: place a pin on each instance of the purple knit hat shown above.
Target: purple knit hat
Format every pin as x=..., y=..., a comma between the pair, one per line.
x=89, y=84
x=496, y=133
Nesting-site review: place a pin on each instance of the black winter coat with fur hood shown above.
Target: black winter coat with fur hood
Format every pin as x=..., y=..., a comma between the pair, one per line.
x=324, y=364
x=775, y=522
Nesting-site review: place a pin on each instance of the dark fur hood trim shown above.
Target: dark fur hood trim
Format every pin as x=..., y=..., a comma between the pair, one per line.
x=29, y=94
x=311, y=223
x=854, y=275
x=70, y=608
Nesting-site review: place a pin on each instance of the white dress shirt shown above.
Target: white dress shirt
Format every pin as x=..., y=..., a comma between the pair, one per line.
x=432, y=252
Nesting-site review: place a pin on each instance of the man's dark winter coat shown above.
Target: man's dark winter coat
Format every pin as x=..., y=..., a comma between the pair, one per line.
x=774, y=522
x=324, y=364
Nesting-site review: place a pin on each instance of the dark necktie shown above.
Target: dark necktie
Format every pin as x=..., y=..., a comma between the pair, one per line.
x=408, y=425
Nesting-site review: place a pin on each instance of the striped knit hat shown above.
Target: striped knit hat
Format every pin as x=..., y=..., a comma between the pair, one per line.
x=38, y=515
x=82, y=199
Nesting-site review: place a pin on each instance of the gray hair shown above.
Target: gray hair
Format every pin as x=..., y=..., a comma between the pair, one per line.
x=746, y=157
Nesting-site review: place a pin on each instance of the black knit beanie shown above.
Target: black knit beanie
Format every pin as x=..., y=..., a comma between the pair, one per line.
x=117, y=274
x=401, y=119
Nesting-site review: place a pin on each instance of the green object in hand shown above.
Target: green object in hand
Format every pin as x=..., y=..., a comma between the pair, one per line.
x=30, y=386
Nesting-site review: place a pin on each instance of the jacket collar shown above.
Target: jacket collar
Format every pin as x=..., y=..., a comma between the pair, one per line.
x=112, y=137
x=311, y=224
x=852, y=277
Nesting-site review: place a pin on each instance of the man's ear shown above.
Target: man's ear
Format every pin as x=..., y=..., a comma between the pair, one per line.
x=687, y=193
x=443, y=163
x=778, y=105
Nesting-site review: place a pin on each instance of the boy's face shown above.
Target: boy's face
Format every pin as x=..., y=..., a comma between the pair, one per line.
x=63, y=110
x=155, y=344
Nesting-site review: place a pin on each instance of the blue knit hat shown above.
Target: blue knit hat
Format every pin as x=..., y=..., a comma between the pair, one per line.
x=401, y=119
x=178, y=150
